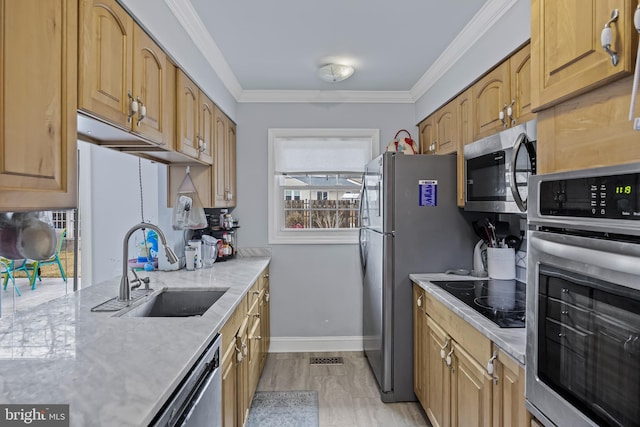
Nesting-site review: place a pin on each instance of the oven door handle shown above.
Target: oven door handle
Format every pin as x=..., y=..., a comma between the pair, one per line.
x=522, y=140
x=576, y=252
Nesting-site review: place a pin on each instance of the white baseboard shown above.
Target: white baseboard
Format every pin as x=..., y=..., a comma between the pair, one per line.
x=314, y=344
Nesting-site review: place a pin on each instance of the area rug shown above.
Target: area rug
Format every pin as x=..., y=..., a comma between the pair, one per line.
x=284, y=409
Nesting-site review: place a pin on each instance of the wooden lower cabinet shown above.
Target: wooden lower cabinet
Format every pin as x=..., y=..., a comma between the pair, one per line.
x=471, y=390
x=438, y=379
x=451, y=378
x=508, y=398
x=244, y=353
x=419, y=349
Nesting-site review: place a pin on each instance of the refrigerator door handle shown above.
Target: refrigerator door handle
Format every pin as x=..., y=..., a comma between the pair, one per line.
x=363, y=202
x=362, y=244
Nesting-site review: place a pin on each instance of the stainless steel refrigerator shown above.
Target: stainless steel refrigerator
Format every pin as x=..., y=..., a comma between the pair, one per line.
x=410, y=224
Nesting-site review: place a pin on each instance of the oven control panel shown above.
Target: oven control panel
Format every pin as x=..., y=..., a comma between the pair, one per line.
x=610, y=196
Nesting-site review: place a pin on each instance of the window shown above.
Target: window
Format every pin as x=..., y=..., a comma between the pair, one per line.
x=316, y=176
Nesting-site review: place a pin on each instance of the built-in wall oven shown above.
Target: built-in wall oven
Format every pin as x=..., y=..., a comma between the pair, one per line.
x=583, y=304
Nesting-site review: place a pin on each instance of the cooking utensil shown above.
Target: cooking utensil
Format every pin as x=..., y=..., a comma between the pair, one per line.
x=513, y=242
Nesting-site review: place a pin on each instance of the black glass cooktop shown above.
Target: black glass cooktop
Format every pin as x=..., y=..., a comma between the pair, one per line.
x=501, y=301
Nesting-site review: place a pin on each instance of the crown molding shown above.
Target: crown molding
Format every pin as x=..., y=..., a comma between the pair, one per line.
x=486, y=17
x=327, y=96
x=187, y=17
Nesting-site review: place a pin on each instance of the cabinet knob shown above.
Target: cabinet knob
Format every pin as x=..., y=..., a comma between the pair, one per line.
x=419, y=301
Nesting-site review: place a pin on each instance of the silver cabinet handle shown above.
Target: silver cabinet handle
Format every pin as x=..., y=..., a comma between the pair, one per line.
x=133, y=106
x=448, y=361
x=443, y=353
x=501, y=115
x=142, y=112
x=419, y=301
x=606, y=38
x=510, y=112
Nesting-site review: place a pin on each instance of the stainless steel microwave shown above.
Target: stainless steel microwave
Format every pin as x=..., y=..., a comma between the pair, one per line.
x=497, y=170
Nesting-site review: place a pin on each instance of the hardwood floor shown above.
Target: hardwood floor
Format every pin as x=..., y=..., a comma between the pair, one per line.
x=347, y=394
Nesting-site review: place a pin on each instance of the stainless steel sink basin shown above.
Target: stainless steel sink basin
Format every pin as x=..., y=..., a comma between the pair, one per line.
x=174, y=302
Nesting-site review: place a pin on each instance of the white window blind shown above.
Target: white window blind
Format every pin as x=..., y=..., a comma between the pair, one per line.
x=295, y=155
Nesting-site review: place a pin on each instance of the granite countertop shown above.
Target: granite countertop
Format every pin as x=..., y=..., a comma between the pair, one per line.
x=113, y=371
x=511, y=340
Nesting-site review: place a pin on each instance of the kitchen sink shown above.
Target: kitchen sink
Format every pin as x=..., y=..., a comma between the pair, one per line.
x=174, y=302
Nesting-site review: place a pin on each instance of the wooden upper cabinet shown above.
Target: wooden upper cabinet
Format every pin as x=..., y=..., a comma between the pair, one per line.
x=188, y=109
x=224, y=164
x=207, y=128
x=567, y=57
x=106, y=54
x=490, y=97
x=38, y=98
x=120, y=63
x=196, y=120
x=427, y=135
x=464, y=116
x=150, y=88
x=502, y=98
x=446, y=129
x=520, y=87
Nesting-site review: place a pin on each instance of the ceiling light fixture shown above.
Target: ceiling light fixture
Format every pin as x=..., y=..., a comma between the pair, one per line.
x=333, y=73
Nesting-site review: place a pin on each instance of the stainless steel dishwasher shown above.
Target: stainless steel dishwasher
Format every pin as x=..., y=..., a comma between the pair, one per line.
x=198, y=400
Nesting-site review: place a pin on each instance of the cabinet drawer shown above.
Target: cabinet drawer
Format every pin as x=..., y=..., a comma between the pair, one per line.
x=472, y=340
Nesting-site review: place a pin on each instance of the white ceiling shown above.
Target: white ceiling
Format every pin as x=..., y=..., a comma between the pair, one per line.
x=264, y=48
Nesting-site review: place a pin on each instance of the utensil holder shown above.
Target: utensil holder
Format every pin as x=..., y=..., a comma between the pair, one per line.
x=501, y=263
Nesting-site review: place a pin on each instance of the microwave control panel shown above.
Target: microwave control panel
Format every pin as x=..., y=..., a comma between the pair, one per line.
x=610, y=196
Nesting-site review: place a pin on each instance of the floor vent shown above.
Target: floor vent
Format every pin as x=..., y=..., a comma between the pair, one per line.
x=326, y=361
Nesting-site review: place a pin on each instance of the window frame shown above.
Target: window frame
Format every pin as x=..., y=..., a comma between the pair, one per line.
x=278, y=235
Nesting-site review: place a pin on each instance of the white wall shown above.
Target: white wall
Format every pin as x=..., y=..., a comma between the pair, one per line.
x=513, y=29
x=110, y=205
x=316, y=289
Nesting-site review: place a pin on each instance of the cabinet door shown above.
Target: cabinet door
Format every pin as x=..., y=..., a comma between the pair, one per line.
x=464, y=117
x=419, y=344
x=149, y=85
x=471, y=391
x=187, y=107
x=229, y=391
x=265, y=319
x=224, y=161
x=446, y=129
x=105, y=55
x=490, y=97
x=38, y=103
x=437, y=401
x=520, y=90
x=242, y=373
x=567, y=57
x=207, y=129
x=427, y=135
x=230, y=164
x=508, y=393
